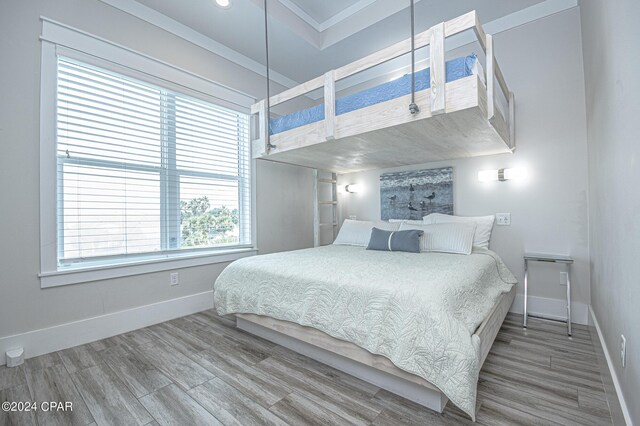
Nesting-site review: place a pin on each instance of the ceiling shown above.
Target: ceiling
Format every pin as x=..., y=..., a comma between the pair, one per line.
x=320, y=11
x=310, y=37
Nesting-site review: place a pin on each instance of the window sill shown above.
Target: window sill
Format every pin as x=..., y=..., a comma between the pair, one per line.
x=95, y=273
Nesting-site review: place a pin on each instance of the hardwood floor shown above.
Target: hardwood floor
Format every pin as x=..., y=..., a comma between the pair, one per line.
x=201, y=370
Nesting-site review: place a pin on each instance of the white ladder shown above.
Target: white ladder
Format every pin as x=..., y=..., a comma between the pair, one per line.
x=321, y=220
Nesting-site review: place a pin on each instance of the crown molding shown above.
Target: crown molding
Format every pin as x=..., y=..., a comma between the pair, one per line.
x=505, y=23
x=346, y=13
x=298, y=21
x=322, y=35
x=508, y=22
x=528, y=15
x=335, y=19
x=301, y=14
x=178, y=29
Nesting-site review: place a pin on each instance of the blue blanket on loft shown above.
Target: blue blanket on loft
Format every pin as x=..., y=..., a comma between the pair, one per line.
x=455, y=69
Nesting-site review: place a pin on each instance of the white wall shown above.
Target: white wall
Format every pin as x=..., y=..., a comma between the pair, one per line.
x=287, y=222
x=542, y=63
x=24, y=306
x=610, y=34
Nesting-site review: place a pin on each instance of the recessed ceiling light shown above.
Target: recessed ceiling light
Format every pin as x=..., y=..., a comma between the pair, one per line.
x=224, y=3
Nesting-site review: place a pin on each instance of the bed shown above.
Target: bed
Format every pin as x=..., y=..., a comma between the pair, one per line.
x=464, y=111
x=455, y=69
x=417, y=324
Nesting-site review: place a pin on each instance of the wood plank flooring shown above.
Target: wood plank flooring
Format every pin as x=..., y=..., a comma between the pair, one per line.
x=200, y=369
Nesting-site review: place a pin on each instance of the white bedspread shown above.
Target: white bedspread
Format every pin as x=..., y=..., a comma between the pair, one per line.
x=418, y=310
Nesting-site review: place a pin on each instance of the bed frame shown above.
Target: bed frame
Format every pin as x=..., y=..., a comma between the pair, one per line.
x=354, y=360
x=456, y=119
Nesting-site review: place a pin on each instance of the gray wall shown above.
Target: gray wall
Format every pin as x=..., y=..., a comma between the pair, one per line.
x=610, y=34
x=542, y=63
x=23, y=305
x=286, y=221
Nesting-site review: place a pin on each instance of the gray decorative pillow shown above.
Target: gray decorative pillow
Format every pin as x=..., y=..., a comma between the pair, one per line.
x=408, y=241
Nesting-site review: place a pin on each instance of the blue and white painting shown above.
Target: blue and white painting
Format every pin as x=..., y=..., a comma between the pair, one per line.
x=417, y=193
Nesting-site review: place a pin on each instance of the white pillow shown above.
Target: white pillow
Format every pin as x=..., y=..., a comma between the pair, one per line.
x=354, y=233
x=445, y=237
x=484, y=225
x=358, y=232
x=387, y=226
x=428, y=219
x=413, y=222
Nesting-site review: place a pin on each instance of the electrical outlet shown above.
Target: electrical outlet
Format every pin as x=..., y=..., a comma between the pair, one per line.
x=353, y=217
x=174, y=279
x=623, y=350
x=503, y=219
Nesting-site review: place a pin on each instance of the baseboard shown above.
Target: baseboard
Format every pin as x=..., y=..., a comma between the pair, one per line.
x=51, y=339
x=614, y=377
x=555, y=309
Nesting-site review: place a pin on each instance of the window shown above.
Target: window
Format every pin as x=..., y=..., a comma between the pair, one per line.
x=145, y=171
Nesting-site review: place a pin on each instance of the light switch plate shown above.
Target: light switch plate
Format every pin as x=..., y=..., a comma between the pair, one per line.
x=623, y=350
x=503, y=219
x=563, y=279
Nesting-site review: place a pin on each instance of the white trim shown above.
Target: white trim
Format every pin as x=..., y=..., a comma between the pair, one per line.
x=59, y=38
x=554, y=309
x=513, y=20
x=346, y=13
x=335, y=19
x=254, y=200
x=614, y=377
x=528, y=15
x=151, y=16
x=48, y=163
x=176, y=28
x=506, y=23
x=81, y=45
x=300, y=13
x=59, y=337
x=75, y=276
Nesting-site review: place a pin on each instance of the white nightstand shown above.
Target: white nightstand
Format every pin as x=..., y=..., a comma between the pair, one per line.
x=551, y=258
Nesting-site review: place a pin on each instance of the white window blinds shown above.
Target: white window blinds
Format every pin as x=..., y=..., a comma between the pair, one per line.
x=144, y=170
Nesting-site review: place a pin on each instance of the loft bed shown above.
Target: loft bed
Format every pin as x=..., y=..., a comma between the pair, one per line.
x=461, y=112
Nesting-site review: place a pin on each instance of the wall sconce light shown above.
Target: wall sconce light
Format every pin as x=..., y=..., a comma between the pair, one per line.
x=499, y=175
x=352, y=188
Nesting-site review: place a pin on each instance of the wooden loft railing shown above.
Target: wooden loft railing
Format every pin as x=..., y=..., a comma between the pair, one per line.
x=493, y=71
x=433, y=37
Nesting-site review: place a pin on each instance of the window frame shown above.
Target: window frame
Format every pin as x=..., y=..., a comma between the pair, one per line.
x=61, y=40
